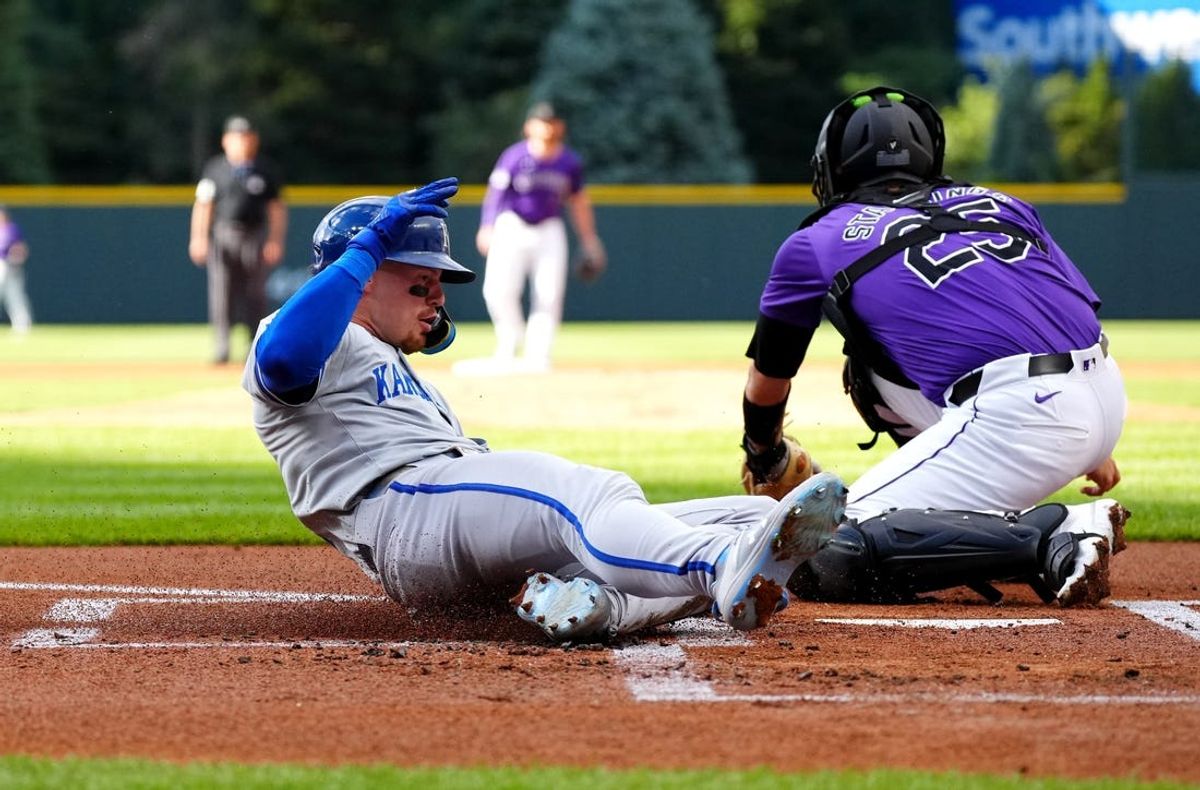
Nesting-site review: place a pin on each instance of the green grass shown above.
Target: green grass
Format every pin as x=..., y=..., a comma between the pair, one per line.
x=25, y=773
x=216, y=485
x=110, y=343
x=66, y=483
x=81, y=485
x=716, y=341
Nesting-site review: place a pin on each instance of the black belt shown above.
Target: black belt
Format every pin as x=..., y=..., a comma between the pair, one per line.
x=1039, y=365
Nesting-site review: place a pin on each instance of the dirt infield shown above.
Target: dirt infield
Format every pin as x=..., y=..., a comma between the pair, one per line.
x=288, y=654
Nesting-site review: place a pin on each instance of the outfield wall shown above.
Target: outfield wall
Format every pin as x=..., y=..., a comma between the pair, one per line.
x=119, y=254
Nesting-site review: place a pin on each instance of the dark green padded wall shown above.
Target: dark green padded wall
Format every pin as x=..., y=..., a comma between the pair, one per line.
x=667, y=262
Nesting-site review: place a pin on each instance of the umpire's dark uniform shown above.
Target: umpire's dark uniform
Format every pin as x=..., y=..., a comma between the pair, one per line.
x=241, y=196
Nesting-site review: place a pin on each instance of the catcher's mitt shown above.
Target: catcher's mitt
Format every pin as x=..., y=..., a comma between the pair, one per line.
x=591, y=262
x=791, y=468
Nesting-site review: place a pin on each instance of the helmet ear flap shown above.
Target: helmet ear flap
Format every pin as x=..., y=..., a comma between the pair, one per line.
x=441, y=334
x=830, y=136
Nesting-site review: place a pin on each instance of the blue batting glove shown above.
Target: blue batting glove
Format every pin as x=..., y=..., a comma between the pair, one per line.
x=382, y=235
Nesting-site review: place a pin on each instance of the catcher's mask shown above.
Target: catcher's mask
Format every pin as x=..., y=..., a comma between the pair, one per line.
x=877, y=135
x=425, y=243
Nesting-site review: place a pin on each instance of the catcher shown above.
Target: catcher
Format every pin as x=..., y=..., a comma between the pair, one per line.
x=972, y=340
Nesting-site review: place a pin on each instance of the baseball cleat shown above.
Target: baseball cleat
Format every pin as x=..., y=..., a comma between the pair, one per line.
x=1087, y=584
x=1096, y=531
x=1103, y=517
x=751, y=582
x=566, y=611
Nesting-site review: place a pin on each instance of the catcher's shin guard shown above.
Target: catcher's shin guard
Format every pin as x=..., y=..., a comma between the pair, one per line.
x=897, y=556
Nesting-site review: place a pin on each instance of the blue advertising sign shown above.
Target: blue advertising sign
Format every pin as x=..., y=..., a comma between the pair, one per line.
x=1056, y=34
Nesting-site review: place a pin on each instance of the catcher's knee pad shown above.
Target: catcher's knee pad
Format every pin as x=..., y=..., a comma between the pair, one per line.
x=1059, y=561
x=841, y=571
x=898, y=555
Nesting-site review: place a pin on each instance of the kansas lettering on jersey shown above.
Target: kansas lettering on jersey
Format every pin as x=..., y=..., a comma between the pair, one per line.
x=943, y=308
x=392, y=382
x=370, y=416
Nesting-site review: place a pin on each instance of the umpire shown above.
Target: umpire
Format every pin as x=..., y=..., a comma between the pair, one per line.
x=238, y=225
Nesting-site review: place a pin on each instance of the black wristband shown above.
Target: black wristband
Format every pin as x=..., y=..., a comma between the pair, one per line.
x=762, y=464
x=762, y=423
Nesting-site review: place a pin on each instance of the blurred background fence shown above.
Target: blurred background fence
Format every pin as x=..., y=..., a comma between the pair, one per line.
x=1090, y=106
x=655, y=91
x=677, y=253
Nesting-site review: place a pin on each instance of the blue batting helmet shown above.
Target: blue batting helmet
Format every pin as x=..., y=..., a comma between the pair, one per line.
x=426, y=242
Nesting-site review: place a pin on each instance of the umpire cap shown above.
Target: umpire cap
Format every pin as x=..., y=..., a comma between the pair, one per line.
x=237, y=124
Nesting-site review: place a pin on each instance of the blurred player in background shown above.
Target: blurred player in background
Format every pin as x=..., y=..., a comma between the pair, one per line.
x=237, y=232
x=14, y=252
x=523, y=237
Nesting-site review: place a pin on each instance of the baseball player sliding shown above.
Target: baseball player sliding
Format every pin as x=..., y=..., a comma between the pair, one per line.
x=972, y=339
x=376, y=463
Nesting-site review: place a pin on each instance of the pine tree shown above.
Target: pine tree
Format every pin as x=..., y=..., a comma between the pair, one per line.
x=1022, y=146
x=638, y=84
x=1086, y=118
x=486, y=61
x=22, y=155
x=1168, y=121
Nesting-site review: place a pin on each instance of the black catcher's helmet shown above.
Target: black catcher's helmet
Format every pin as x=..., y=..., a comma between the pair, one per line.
x=877, y=135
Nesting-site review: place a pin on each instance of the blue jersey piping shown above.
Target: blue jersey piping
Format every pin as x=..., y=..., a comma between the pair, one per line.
x=565, y=512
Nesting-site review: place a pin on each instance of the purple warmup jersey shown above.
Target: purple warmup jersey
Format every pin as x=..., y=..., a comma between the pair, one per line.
x=532, y=188
x=10, y=234
x=946, y=307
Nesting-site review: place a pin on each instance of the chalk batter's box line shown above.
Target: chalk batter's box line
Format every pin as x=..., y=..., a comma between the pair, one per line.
x=271, y=596
x=675, y=685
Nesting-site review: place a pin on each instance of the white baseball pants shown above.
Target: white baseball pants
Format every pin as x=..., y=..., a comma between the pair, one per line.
x=1018, y=440
x=450, y=526
x=16, y=301
x=520, y=252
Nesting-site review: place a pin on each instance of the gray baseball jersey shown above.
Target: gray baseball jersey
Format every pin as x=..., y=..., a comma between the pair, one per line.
x=376, y=463
x=371, y=415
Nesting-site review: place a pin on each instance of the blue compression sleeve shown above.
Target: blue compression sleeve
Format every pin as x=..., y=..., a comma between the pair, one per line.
x=293, y=348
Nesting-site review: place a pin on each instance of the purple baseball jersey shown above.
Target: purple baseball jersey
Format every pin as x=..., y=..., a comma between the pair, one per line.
x=951, y=305
x=532, y=188
x=10, y=234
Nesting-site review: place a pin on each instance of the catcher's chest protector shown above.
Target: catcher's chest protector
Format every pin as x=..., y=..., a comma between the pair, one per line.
x=865, y=354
